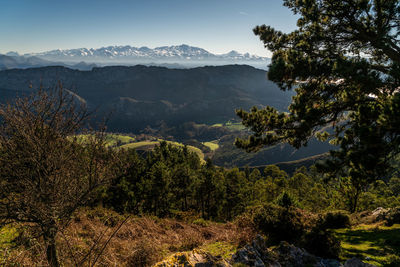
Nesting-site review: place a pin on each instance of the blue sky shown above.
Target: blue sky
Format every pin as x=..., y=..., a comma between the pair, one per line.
x=218, y=26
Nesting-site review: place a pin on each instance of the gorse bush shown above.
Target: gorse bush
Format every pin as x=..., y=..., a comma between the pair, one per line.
x=336, y=220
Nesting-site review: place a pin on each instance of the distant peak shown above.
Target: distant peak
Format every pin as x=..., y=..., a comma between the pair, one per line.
x=127, y=53
x=12, y=54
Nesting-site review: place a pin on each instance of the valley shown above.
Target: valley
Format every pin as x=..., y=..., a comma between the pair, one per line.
x=195, y=106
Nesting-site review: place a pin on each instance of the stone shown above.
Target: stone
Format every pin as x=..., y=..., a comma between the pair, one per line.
x=195, y=258
x=355, y=262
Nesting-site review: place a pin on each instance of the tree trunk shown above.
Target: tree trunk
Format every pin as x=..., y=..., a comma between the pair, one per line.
x=51, y=250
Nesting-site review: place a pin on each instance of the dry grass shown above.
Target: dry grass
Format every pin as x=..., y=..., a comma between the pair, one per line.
x=141, y=241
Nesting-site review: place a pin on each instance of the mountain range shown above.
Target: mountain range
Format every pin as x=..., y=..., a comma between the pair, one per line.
x=13, y=61
x=128, y=55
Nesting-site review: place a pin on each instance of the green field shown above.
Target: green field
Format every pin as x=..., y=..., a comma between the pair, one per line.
x=232, y=126
x=110, y=139
x=213, y=145
x=118, y=139
x=145, y=145
x=371, y=243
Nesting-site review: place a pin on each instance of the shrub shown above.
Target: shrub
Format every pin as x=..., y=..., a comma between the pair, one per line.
x=144, y=254
x=393, y=216
x=392, y=261
x=278, y=223
x=201, y=222
x=322, y=242
x=336, y=220
x=191, y=241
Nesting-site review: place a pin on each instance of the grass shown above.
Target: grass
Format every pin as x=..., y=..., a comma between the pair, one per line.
x=224, y=250
x=141, y=144
x=235, y=126
x=127, y=142
x=372, y=243
x=7, y=235
x=111, y=140
x=232, y=126
x=118, y=139
x=213, y=145
x=145, y=145
x=145, y=238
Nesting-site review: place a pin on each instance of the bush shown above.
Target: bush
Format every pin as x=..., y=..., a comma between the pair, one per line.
x=392, y=261
x=144, y=254
x=336, y=220
x=393, y=216
x=322, y=243
x=278, y=223
x=201, y=222
x=190, y=241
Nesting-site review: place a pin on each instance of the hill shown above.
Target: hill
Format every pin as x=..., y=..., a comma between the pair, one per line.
x=139, y=96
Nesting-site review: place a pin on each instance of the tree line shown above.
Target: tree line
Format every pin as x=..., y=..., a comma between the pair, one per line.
x=170, y=179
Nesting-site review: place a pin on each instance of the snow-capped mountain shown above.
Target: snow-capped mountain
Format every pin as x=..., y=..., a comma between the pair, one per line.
x=143, y=54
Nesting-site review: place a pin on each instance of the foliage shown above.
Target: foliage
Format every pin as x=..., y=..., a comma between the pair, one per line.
x=285, y=200
x=143, y=254
x=393, y=216
x=45, y=174
x=322, y=242
x=277, y=223
x=336, y=220
x=377, y=244
x=343, y=61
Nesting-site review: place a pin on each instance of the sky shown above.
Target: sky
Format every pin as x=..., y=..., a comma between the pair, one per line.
x=218, y=26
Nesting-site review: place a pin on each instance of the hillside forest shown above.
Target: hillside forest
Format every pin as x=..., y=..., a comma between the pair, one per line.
x=213, y=166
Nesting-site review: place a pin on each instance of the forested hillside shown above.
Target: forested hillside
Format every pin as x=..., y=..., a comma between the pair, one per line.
x=139, y=96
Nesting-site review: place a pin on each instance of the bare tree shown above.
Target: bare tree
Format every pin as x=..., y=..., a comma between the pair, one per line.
x=46, y=170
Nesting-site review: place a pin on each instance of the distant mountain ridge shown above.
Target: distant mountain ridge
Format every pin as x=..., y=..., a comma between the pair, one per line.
x=143, y=54
x=14, y=61
x=139, y=96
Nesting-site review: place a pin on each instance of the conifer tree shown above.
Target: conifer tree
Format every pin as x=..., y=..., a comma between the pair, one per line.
x=343, y=61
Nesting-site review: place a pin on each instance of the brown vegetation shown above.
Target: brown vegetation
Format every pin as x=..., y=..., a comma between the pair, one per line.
x=141, y=241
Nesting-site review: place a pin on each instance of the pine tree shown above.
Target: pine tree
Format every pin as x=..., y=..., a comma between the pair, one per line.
x=343, y=61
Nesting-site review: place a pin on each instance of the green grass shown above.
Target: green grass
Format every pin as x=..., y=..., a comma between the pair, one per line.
x=220, y=249
x=213, y=145
x=141, y=144
x=376, y=243
x=232, y=126
x=118, y=139
x=235, y=126
x=146, y=145
x=110, y=139
x=7, y=235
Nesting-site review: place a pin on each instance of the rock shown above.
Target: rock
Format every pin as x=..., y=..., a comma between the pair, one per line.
x=289, y=255
x=257, y=254
x=330, y=263
x=195, y=258
x=379, y=214
x=355, y=262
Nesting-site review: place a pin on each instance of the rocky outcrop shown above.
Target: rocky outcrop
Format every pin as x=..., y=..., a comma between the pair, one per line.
x=257, y=254
x=195, y=258
x=379, y=214
x=285, y=255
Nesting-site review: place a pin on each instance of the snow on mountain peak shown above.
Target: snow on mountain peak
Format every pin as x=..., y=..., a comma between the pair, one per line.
x=175, y=52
